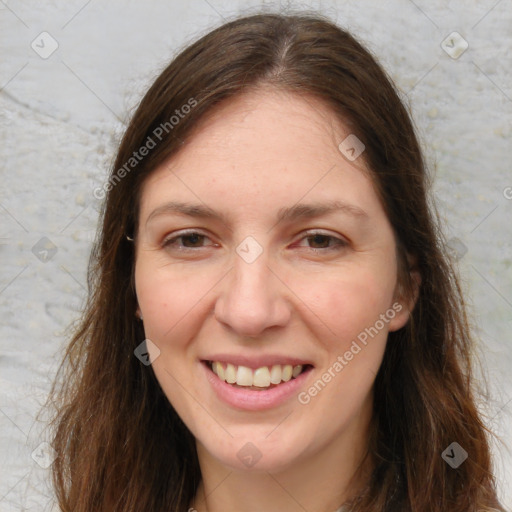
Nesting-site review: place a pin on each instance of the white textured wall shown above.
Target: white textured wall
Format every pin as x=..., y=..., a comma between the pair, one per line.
x=60, y=118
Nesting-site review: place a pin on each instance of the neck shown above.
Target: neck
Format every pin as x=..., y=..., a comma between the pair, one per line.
x=320, y=482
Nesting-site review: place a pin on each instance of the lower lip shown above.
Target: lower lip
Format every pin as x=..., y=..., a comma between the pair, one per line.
x=254, y=400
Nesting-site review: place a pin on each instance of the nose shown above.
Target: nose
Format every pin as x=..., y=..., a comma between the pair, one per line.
x=253, y=299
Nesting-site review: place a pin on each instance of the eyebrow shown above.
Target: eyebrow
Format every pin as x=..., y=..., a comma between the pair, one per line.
x=312, y=210
x=295, y=212
x=186, y=209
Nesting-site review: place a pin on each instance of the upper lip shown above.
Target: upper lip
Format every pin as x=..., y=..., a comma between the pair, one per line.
x=258, y=361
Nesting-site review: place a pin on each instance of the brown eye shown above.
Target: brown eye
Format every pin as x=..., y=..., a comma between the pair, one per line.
x=190, y=240
x=195, y=239
x=319, y=241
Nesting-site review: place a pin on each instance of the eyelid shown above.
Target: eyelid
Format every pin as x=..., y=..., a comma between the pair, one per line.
x=178, y=234
x=340, y=241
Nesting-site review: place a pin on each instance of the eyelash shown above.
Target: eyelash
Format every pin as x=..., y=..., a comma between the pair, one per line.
x=339, y=243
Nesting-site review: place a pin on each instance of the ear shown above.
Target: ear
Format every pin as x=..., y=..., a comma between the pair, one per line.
x=138, y=313
x=405, y=297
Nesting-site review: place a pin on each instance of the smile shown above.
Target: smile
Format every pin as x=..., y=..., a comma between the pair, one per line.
x=264, y=377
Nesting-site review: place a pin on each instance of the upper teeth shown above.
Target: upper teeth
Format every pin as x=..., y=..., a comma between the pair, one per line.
x=261, y=377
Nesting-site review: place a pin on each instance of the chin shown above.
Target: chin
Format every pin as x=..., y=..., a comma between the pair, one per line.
x=255, y=454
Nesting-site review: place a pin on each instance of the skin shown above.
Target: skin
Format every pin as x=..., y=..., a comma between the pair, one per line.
x=305, y=296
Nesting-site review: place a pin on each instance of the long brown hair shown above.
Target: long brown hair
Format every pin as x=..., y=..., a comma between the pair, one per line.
x=120, y=444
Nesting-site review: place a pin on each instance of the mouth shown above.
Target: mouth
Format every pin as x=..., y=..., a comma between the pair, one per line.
x=258, y=379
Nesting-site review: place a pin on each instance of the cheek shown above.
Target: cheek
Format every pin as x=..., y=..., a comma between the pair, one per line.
x=354, y=310
x=171, y=302
x=168, y=297
x=349, y=304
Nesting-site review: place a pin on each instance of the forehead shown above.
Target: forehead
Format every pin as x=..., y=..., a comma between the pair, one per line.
x=262, y=150
x=265, y=123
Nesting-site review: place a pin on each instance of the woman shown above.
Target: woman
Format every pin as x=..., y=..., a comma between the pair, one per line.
x=272, y=321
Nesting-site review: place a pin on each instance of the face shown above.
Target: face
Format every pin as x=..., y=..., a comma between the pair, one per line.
x=266, y=272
